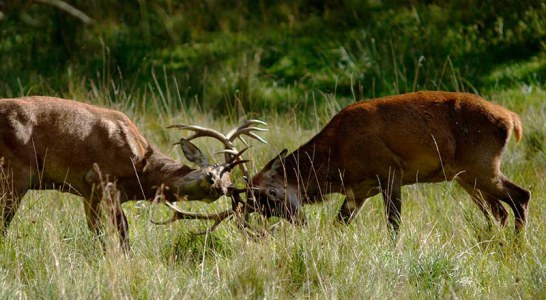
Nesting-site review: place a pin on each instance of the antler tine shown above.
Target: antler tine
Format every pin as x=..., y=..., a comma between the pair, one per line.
x=231, y=165
x=247, y=129
x=236, y=154
x=248, y=123
x=202, y=131
x=228, y=151
x=213, y=227
x=231, y=153
x=180, y=214
x=254, y=135
x=256, y=121
x=169, y=221
x=217, y=217
x=242, y=219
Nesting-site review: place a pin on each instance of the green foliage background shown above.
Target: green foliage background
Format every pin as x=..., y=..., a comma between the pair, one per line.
x=271, y=54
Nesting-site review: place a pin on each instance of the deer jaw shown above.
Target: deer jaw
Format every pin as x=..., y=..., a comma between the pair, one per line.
x=280, y=202
x=273, y=194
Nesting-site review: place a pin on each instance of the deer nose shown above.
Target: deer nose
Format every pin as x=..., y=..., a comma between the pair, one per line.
x=210, y=177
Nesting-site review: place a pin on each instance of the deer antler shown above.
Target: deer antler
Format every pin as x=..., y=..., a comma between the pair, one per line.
x=227, y=140
x=232, y=159
x=248, y=129
x=180, y=214
x=201, y=132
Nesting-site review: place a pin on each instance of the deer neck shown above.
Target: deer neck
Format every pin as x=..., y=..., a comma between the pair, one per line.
x=158, y=170
x=308, y=169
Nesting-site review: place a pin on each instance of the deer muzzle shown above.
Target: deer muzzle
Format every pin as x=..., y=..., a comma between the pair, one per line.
x=207, y=184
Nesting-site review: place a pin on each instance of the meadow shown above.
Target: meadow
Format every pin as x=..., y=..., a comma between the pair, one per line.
x=287, y=67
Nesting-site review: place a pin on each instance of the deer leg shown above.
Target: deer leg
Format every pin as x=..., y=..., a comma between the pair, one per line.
x=10, y=201
x=391, y=190
x=13, y=186
x=499, y=187
x=354, y=200
x=518, y=199
x=120, y=223
x=93, y=214
x=499, y=212
x=350, y=207
x=488, y=204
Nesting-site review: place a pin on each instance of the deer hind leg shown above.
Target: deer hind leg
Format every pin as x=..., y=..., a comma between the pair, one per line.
x=518, y=199
x=499, y=187
x=498, y=210
x=391, y=188
x=488, y=204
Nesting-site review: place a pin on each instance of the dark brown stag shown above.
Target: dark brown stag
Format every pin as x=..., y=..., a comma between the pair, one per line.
x=51, y=143
x=379, y=145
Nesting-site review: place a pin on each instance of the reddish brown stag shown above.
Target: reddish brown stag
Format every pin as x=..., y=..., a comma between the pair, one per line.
x=380, y=145
x=51, y=143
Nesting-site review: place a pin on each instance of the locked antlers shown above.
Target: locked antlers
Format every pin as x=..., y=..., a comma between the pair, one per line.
x=248, y=128
x=233, y=158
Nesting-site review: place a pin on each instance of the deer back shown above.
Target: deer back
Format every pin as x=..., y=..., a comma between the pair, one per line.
x=61, y=139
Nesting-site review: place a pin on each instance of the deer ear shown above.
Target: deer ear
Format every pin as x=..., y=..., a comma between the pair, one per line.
x=278, y=162
x=193, y=153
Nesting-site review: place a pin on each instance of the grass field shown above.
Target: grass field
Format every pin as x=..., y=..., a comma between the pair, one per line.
x=445, y=249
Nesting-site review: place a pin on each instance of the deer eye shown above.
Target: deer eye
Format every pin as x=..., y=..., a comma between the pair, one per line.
x=273, y=192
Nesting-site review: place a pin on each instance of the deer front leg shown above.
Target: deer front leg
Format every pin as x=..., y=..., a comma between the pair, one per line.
x=117, y=217
x=9, y=203
x=349, y=208
x=13, y=186
x=106, y=193
x=93, y=214
x=354, y=200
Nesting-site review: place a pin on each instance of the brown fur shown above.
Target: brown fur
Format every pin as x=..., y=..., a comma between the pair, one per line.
x=382, y=144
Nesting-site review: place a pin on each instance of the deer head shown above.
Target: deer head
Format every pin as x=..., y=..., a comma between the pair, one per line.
x=214, y=176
